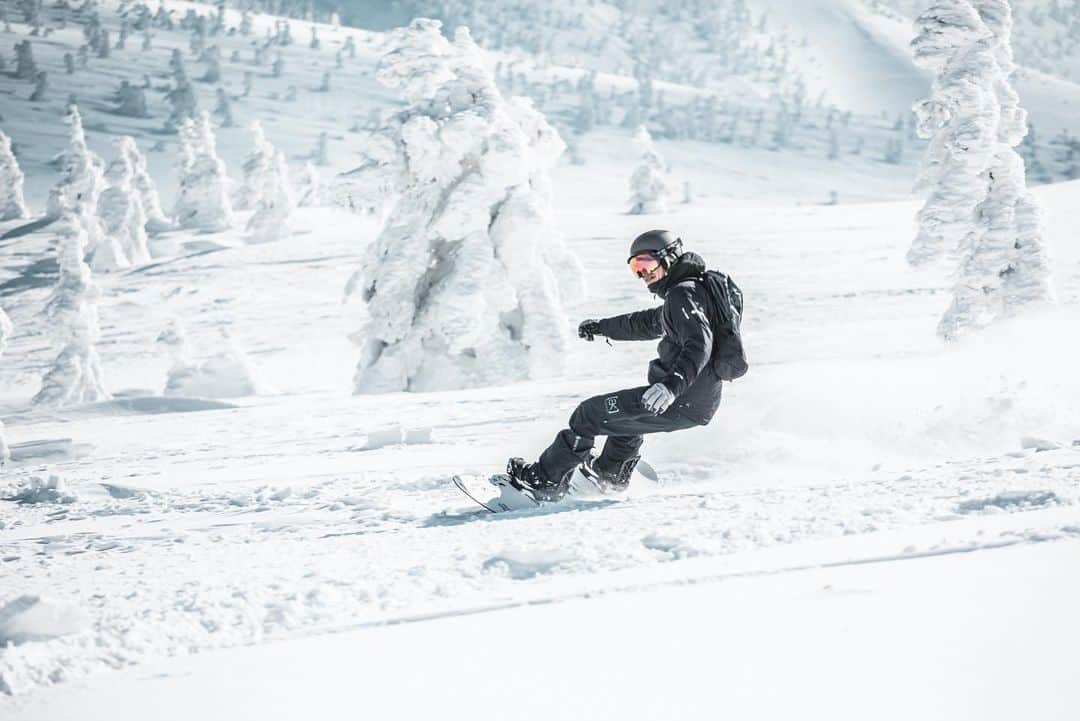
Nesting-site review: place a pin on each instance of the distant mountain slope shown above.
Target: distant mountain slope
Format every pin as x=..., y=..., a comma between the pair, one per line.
x=859, y=58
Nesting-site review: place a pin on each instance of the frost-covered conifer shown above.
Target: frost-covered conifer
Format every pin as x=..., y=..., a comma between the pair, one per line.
x=203, y=202
x=649, y=187
x=156, y=220
x=120, y=210
x=6, y=329
x=75, y=376
x=80, y=184
x=25, y=67
x=12, y=203
x=1003, y=266
x=309, y=191
x=272, y=219
x=255, y=166
x=223, y=109
x=462, y=287
x=81, y=174
x=41, y=86
x=131, y=101
x=959, y=119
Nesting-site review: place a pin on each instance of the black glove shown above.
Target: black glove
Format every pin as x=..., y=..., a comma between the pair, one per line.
x=589, y=329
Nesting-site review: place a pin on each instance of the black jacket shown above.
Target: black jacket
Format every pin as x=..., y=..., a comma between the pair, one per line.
x=686, y=338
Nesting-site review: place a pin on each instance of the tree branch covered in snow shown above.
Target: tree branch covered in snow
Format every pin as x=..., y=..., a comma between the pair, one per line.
x=462, y=287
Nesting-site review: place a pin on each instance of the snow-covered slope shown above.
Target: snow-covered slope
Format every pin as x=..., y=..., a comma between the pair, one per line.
x=250, y=533
x=858, y=58
x=852, y=422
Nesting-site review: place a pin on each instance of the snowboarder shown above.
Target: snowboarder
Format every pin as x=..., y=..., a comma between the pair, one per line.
x=683, y=390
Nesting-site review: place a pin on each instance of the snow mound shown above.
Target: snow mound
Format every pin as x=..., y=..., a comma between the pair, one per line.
x=523, y=565
x=1039, y=444
x=229, y=374
x=33, y=618
x=676, y=548
x=1010, y=501
x=41, y=490
x=153, y=405
x=393, y=436
x=55, y=449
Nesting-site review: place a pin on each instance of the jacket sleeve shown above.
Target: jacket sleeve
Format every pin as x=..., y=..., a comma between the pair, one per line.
x=693, y=336
x=641, y=325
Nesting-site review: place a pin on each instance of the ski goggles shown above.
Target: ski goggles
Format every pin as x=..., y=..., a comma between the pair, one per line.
x=644, y=264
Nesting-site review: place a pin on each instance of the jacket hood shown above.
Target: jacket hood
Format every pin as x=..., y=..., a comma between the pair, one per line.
x=688, y=265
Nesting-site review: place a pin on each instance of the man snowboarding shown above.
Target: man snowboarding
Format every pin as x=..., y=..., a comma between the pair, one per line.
x=684, y=386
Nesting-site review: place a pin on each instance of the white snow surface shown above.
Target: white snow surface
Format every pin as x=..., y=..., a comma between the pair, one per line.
x=875, y=525
x=276, y=519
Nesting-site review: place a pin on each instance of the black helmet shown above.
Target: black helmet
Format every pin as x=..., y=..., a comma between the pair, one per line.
x=659, y=243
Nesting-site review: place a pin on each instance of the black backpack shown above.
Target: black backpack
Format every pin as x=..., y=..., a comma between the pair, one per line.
x=728, y=356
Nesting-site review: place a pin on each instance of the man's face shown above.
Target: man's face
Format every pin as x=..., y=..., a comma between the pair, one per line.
x=647, y=267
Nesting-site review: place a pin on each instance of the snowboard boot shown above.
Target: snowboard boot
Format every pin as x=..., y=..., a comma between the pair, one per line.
x=530, y=478
x=612, y=476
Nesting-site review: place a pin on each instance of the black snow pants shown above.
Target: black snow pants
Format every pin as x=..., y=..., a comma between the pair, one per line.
x=621, y=417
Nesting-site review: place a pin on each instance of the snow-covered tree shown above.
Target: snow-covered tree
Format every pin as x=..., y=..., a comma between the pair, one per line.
x=75, y=376
x=309, y=190
x=25, y=67
x=131, y=101
x=649, y=186
x=1003, y=266
x=120, y=210
x=272, y=219
x=156, y=220
x=6, y=329
x=959, y=119
x=255, y=166
x=370, y=188
x=223, y=109
x=203, y=202
x=81, y=178
x=462, y=286
x=12, y=203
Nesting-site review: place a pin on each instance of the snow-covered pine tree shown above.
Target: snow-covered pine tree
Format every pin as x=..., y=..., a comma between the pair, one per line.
x=959, y=119
x=75, y=376
x=649, y=187
x=156, y=220
x=203, y=201
x=1003, y=266
x=255, y=166
x=12, y=203
x=272, y=219
x=120, y=210
x=461, y=288
x=309, y=191
x=81, y=176
x=6, y=329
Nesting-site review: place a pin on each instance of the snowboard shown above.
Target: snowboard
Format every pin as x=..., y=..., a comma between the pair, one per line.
x=510, y=498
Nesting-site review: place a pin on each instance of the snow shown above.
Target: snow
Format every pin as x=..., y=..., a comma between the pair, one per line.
x=860, y=637
x=876, y=525
x=32, y=618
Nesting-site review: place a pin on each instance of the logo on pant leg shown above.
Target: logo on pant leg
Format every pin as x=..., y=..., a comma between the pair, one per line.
x=612, y=404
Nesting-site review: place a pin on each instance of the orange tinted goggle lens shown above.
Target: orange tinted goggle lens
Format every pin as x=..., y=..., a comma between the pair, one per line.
x=643, y=264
